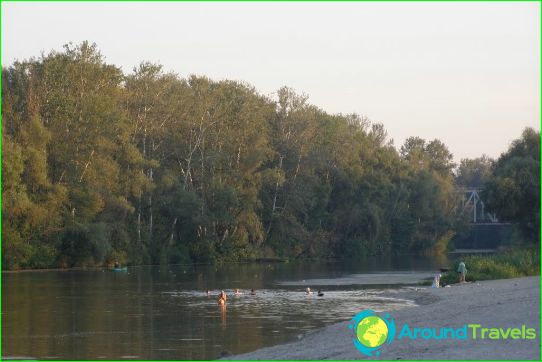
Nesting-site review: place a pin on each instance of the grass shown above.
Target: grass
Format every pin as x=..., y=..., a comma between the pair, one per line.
x=503, y=265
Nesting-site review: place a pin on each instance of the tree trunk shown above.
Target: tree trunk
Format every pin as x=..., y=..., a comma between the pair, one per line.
x=150, y=209
x=274, y=207
x=139, y=219
x=172, y=231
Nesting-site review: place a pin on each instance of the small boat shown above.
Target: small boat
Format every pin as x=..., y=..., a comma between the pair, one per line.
x=125, y=269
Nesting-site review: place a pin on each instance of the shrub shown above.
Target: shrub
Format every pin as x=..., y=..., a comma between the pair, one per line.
x=505, y=264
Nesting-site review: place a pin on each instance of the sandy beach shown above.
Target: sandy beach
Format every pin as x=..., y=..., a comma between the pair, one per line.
x=492, y=304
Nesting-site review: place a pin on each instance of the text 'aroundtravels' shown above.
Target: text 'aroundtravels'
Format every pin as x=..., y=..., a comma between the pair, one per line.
x=477, y=331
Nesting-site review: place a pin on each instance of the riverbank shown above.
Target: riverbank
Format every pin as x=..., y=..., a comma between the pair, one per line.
x=508, y=303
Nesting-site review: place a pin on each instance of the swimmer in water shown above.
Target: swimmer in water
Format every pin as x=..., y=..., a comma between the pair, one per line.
x=252, y=292
x=222, y=298
x=320, y=293
x=237, y=292
x=308, y=291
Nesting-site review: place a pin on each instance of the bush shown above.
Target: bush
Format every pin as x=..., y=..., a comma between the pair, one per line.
x=15, y=251
x=85, y=245
x=179, y=255
x=76, y=249
x=505, y=264
x=43, y=256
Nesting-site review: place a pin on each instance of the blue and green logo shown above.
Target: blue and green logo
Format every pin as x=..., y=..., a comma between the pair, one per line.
x=371, y=332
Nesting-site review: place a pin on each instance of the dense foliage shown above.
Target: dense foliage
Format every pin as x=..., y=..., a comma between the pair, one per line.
x=474, y=173
x=150, y=167
x=508, y=263
x=513, y=191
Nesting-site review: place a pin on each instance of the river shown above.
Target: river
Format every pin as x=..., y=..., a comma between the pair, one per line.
x=152, y=312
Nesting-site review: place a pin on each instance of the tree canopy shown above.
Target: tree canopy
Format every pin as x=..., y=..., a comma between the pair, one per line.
x=149, y=167
x=513, y=191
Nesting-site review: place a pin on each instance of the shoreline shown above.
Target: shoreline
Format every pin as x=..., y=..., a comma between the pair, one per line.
x=275, y=260
x=87, y=268
x=505, y=303
x=104, y=267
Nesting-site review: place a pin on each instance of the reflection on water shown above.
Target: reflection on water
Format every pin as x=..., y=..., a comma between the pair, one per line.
x=165, y=313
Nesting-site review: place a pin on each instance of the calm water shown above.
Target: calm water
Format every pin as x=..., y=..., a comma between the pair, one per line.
x=164, y=312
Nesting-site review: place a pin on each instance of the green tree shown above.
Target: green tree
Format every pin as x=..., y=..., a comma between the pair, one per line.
x=475, y=172
x=152, y=167
x=513, y=191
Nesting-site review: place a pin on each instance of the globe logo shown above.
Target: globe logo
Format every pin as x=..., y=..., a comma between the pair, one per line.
x=371, y=332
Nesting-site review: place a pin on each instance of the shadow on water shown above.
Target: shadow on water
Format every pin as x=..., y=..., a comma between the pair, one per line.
x=164, y=312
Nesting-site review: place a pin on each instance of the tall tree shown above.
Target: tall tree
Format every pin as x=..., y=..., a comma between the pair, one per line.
x=474, y=172
x=151, y=167
x=513, y=192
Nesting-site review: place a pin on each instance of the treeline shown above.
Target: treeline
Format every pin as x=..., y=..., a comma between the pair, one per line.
x=150, y=167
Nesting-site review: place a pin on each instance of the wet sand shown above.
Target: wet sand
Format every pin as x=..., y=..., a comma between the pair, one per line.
x=499, y=304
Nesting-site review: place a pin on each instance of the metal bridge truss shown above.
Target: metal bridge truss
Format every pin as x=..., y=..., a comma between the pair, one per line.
x=473, y=206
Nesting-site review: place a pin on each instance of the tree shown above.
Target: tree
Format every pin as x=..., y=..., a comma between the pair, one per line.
x=150, y=167
x=513, y=191
x=474, y=173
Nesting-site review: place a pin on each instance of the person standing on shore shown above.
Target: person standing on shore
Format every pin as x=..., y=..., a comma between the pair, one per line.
x=436, y=281
x=462, y=270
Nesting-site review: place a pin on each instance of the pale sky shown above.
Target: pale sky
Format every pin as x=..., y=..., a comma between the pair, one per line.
x=465, y=73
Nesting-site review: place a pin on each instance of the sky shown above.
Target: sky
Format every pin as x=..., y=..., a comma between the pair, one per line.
x=467, y=74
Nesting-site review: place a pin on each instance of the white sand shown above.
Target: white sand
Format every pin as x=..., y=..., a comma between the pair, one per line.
x=499, y=303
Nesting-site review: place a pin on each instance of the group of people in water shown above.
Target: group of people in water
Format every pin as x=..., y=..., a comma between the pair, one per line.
x=222, y=297
x=309, y=292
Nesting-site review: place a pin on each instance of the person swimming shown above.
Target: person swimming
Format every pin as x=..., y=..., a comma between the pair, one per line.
x=208, y=292
x=252, y=292
x=222, y=298
x=237, y=292
x=320, y=293
x=308, y=291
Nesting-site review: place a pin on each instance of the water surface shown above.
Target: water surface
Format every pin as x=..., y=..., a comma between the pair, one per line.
x=155, y=312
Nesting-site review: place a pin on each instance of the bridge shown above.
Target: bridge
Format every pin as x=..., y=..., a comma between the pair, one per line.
x=473, y=206
x=486, y=231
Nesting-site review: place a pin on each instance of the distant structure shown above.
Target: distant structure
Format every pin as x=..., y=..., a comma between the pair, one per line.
x=473, y=206
x=485, y=230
